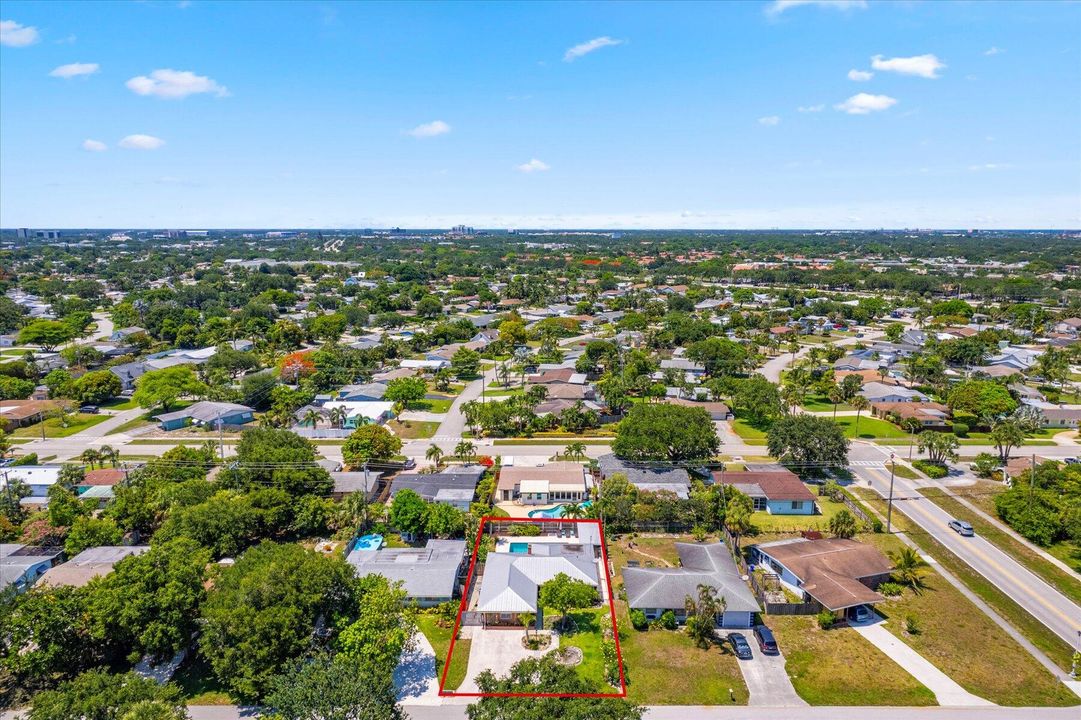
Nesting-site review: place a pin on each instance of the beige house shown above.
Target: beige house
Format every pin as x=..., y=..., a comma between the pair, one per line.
x=545, y=484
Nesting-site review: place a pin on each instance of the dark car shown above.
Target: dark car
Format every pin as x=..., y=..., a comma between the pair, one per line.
x=409, y=464
x=740, y=646
x=89, y=409
x=766, y=642
x=962, y=528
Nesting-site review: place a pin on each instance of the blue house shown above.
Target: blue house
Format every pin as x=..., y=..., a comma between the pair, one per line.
x=24, y=564
x=778, y=492
x=208, y=414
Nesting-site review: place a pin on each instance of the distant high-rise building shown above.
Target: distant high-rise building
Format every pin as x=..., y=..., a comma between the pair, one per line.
x=462, y=230
x=22, y=233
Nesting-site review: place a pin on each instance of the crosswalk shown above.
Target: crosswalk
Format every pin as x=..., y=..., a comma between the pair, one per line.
x=868, y=463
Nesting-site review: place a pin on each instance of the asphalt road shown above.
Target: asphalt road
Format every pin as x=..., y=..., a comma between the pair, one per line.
x=1040, y=599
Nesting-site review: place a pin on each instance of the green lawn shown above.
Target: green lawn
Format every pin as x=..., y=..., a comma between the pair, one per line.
x=120, y=404
x=587, y=638
x=552, y=440
x=439, y=637
x=821, y=403
x=903, y=471
x=840, y=667
x=53, y=429
x=146, y=418
x=198, y=686
x=953, y=633
x=664, y=667
x=767, y=523
x=413, y=429
x=1067, y=583
x=869, y=428
x=436, y=405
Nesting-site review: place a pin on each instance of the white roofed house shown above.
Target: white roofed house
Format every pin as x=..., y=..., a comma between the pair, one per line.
x=877, y=392
x=555, y=482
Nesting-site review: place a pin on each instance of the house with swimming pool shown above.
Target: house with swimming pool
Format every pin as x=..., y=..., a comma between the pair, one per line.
x=544, y=484
x=429, y=575
x=516, y=569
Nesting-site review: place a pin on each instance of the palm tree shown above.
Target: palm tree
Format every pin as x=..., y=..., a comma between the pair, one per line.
x=575, y=450
x=503, y=373
x=908, y=567
x=5, y=444
x=465, y=450
x=434, y=454
x=836, y=396
x=572, y=510
x=338, y=416
x=90, y=457
x=860, y=403
x=312, y=417
x=108, y=452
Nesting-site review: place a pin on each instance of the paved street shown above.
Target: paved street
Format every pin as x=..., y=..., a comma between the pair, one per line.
x=1044, y=602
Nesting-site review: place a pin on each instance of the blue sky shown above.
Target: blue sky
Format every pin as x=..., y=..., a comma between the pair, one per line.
x=732, y=115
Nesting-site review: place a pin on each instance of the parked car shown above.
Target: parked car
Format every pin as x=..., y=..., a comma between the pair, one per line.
x=740, y=646
x=1071, y=461
x=409, y=464
x=766, y=642
x=962, y=528
x=862, y=613
x=89, y=409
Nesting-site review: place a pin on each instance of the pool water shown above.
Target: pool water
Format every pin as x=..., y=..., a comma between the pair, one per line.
x=368, y=542
x=519, y=548
x=557, y=511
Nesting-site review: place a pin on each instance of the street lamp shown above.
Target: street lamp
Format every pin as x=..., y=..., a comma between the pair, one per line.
x=889, y=505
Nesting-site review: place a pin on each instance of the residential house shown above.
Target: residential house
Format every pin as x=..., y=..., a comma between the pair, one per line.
x=427, y=365
x=20, y=413
x=455, y=485
x=1015, y=357
x=429, y=575
x=22, y=565
x=778, y=492
x=89, y=564
x=554, y=482
x=877, y=392
x=207, y=413
x=655, y=590
x=1061, y=417
x=646, y=477
x=129, y=374
x=1069, y=326
x=562, y=375
x=38, y=478
x=346, y=483
x=357, y=413
x=124, y=333
x=363, y=392
x=717, y=410
x=514, y=572
x=837, y=574
x=930, y=415
x=691, y=370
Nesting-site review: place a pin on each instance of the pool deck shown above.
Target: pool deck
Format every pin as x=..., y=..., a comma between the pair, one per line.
x=522, y=511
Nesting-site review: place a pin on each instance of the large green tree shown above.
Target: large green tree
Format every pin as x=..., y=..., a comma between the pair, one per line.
x=327, y=687
x=720, y=356
x=46, y=333
x=564, y=593
x=370, y=442
x=162, y=388
x=262, y=612
x=269, y=457
x=808, y=440
x=663, y=432
x=100, y=695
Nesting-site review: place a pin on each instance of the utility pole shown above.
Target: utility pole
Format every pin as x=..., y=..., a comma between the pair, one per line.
x=889, y=506
x=221, y=441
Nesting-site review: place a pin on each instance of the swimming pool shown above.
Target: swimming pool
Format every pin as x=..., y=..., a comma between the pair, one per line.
x=368, y=542
x=519, y=548
x=557, y=511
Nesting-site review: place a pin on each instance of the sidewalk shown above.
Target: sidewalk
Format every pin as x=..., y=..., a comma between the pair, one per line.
x=947, y=692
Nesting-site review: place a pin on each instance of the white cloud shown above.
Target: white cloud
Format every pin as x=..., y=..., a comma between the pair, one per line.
x=534, y=165
x=74, y=70
x=585, y=48
x=860, y=75
x=779, y=6
x=993, y=51
x=141, y=142
x=926, y=66
x=13, y=34
x=812, y=108
x=989, y=166
x=865, y=103
x=174, y=84
x=769, y=120
x=94, y=146
x=427, y=130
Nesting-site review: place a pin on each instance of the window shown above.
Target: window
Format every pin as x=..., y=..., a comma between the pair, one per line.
x=797, y=504
x=759, y=503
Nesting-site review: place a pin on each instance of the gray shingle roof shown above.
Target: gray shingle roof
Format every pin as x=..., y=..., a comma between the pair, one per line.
x=430, y=571
x=647, y=478
x=668, y=588
x=428, y=486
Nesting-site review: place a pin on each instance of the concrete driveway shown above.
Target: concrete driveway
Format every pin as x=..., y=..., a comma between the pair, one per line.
x=767, y=680
x=414, y=678
x=497, y=650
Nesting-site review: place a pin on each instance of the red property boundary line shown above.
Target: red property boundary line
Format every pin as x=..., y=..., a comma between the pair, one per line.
x=465, y=602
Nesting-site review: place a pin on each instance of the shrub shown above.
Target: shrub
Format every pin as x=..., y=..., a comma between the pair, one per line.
x=876, y=525
x=985, y=465
x=960, y=429
x=27, y=459
x=668, y=620
x=930, y=469
x=831, y=490
x=826, y=619
x=912, y=625
x=638, y=620
x=525, y=530
x=699, y=533
x=891, y=589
